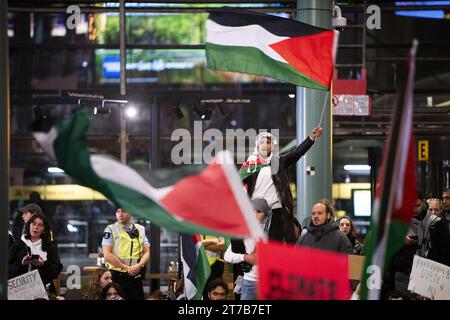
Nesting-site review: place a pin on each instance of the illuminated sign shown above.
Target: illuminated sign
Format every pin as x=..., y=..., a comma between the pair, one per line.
x=111, y=66
x=63, y=192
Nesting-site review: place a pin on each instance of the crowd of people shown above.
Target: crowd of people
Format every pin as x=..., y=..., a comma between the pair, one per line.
x=126, y=248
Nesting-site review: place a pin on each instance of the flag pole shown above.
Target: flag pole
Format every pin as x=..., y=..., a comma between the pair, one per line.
x=323, y=110
x=311, y=188
x=395, y=196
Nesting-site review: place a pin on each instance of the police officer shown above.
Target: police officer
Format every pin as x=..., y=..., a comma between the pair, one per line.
x=126, y=250
x=214, y=248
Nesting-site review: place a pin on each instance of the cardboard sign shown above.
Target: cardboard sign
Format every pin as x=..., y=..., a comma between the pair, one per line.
x=292, y=273
x=27, y=286
x=355, y=267
x=430, y=279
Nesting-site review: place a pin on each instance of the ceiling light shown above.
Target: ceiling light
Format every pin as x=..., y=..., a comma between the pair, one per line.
x=357, y=167
x=55, y=170
x=131, y=112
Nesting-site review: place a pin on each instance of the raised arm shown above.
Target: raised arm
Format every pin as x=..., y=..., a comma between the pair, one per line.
x=294, y=155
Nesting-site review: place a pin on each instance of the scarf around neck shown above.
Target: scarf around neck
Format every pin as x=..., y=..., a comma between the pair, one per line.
x=255, y=162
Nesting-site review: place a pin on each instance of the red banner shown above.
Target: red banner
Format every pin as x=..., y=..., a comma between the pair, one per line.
x=293, y=273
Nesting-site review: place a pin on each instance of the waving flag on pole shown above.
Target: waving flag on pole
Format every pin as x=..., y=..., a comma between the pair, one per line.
x=396, y=194
x=210, y=202
x=196, y=269
x=267, y=45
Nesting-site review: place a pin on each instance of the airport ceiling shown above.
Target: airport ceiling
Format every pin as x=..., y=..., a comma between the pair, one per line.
x=385, y=52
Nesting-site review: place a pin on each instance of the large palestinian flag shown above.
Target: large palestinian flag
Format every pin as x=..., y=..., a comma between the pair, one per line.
x=271, y=46
x=211, y=201
x=396, y=192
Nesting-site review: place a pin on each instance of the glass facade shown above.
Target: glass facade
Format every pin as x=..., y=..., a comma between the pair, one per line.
x=166, y=69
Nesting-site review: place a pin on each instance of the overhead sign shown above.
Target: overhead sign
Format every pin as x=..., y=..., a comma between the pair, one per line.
x=28, y=286
x=430, y=279
x=423, y=150
x=292, y=273
x=54, y=192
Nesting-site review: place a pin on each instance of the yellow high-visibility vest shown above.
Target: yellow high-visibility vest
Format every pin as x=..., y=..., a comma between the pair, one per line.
x=128, y=250
x=212, y=256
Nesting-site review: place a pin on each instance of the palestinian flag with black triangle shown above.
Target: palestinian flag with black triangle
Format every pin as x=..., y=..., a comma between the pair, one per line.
x=271, y=46
x=206, y=200
x=196, y=269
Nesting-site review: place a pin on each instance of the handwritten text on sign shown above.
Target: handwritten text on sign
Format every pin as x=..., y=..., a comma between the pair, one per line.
x=292, y=273
x=430, y=279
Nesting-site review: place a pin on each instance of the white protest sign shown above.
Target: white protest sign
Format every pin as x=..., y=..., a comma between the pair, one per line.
x=27, y=286
x=430, y=279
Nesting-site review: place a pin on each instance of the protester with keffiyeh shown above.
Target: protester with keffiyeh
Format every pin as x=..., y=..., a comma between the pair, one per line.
x=264, y=176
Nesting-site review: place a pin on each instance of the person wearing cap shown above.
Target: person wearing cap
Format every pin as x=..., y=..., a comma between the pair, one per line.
x=323, y=233
x=35, y=251
x=264, y=176
x=24, y=215
x=247, y=258
x=27, y=212
x=126, y=250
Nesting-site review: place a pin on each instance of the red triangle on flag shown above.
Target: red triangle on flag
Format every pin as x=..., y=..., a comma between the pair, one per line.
x=208, y=200
x=311, y=55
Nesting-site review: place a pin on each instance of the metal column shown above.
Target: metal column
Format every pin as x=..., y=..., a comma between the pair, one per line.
x=155, y=162
x=311, y=188
x=123, y=83
x=4, y=148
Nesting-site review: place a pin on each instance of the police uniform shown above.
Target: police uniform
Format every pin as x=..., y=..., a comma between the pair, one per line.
x=212, y=256
x=216, y=263
x=128, y=246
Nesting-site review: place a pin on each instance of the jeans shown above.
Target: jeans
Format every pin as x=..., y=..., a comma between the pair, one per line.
x=248, y=290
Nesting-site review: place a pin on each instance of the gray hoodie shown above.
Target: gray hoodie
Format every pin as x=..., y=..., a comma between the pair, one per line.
x=326, y=237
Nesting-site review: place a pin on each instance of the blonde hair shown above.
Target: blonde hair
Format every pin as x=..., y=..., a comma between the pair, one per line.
x=434, y=201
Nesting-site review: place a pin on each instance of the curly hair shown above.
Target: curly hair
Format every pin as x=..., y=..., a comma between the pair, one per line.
x=95, y=291
x=109, y=286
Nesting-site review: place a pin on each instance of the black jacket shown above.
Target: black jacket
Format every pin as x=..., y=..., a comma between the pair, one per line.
x=279, y=177
x=326, y=237
x=403, y=258
x=48, y=271
x=440, y=240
